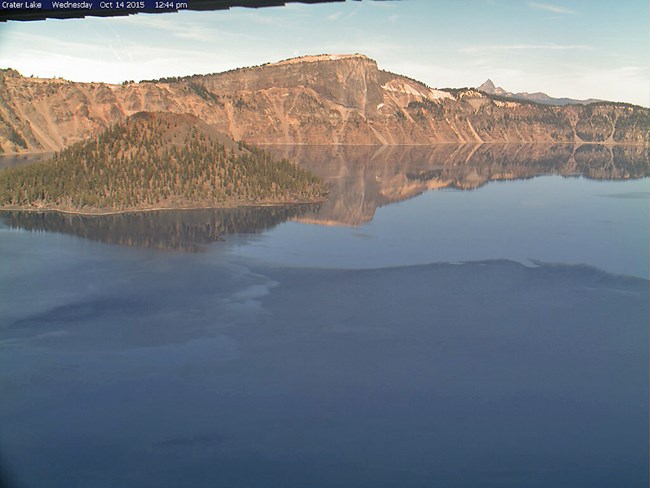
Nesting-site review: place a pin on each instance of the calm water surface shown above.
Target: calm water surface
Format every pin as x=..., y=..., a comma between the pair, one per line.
x=394, y=336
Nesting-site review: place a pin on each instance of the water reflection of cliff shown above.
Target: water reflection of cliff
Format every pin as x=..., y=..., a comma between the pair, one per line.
x=363, y=178
x=185, y=230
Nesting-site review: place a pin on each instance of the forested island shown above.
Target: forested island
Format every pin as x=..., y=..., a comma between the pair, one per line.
x=157, y=161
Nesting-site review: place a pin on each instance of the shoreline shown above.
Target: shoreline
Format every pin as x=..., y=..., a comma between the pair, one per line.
x=110, y=212
x=432, y=144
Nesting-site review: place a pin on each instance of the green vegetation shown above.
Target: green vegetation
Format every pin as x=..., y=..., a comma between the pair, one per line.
x=456, y=91
x=502, y=98
x=204, y=93
x=156, y=161
x=426, y=106
x=10, y=133
x=594, y=127
x=166, y=79
x=631, y=123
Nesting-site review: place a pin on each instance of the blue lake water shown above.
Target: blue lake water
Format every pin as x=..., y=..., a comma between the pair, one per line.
x=394, y=336
x=550, y=218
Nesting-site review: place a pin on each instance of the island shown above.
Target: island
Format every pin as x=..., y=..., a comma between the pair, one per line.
x=157, y=161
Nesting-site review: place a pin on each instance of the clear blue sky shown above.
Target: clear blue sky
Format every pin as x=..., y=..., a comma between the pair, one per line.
x=576, y=48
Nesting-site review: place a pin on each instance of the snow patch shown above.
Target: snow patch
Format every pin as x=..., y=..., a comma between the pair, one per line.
x=438, y=94
x=402, y=88
x=408, y=89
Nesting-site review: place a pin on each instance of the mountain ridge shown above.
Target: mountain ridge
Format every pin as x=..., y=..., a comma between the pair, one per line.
x=538, y=97
x=322, y=99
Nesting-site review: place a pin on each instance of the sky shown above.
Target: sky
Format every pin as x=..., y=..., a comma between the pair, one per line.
x=573, y=48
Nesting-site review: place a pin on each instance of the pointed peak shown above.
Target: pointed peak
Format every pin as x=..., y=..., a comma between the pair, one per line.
x=488, y=86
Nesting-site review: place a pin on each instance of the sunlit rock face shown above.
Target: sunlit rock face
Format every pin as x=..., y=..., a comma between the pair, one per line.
x=326, y=99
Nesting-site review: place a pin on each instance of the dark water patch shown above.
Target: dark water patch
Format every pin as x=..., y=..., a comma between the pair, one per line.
x=156, y=303
x=185, y=230
x=76, y=313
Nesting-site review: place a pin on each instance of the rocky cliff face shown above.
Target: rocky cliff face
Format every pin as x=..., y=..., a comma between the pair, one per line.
x=344, y=99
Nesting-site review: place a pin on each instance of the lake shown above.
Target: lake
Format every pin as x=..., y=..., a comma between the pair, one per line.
x=452, y=316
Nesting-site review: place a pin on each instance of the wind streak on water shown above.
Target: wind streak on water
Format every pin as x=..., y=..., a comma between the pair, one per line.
x=487, y=373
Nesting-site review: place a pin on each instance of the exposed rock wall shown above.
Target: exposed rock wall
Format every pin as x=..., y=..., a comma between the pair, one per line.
x=312, y=100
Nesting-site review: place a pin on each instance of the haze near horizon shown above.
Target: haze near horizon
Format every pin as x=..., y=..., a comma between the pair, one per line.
x=578, y=49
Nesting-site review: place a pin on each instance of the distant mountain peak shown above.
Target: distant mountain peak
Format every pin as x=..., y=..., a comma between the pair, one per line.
x=537, y=97
x=488, y=86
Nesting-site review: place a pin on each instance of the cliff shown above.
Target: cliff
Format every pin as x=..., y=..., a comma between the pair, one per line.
x=326, y=99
